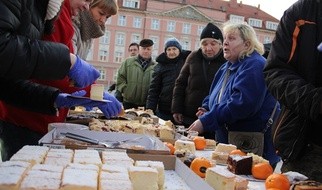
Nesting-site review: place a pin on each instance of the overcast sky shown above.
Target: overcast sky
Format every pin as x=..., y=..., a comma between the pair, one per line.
x=275, y=8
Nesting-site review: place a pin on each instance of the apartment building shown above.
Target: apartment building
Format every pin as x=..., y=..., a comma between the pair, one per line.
x=163, y=19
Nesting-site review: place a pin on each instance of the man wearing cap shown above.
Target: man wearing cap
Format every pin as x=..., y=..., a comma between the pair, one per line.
x=134, y=76
x=196, y=76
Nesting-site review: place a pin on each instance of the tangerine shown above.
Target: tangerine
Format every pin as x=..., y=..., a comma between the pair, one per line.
x=199, y=166
x=262, y=170
x=237, y=152
x=171, y=147
x=200, y=142
x=278, y=181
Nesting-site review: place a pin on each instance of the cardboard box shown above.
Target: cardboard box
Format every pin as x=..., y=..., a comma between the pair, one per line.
x=54, y=138
x=173, y=163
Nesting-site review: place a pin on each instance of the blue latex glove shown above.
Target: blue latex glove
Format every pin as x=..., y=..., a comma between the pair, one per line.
x=112, y=108
x=82, y=73
x=65, y=100
x=320, y=47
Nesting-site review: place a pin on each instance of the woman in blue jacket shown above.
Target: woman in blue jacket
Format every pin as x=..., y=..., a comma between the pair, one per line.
x=239, y=99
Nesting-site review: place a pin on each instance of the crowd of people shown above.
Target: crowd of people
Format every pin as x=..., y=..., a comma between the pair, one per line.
x=224, y=86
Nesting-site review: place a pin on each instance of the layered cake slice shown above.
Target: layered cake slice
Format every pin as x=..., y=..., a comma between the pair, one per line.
x=144, y=178
x=240, y=165
x=221, y=179
x=221, y=152
x=159, y=166
x=11, y=173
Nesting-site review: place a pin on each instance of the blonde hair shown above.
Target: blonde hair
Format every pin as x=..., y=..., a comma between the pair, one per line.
x=110, y=6
x=248, y=34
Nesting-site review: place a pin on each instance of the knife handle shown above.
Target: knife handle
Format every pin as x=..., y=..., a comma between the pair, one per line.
x=81, y=138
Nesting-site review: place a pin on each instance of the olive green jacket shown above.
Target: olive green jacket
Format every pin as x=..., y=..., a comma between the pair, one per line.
x=133, y=82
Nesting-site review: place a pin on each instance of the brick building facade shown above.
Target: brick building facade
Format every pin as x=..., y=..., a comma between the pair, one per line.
x=162, y=19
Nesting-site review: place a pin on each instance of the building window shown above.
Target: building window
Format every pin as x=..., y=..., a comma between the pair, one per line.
x=118, y=57
x=103, y=74
x=267, y=39
x=115, y=74
x=236, y=19
x=102, y=54
x=109, y=20
x=121, y=20
x=90, y=54
x=171, y=27
x=200, y=28
x=155, y=40
x=120, y=38
x=135, y=38
x=271, y=25
x=155, y=24
x=131, y=3
x=137, y=22
x=255, y=22
x=186, y=44
x=105, y=39
x=186, y=28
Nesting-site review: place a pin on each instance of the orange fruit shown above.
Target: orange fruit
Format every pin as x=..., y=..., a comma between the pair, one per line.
x=262, y=170
x=278, y=181
x=171, y=147
x=273, y=189
x=199, y=165
x=200, y=142
x=237, y=152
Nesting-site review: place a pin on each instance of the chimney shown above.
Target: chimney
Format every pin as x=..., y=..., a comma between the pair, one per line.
x=259, y=6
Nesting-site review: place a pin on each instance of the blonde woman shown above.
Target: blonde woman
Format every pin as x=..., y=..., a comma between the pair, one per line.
x=239, y=99
x=90, y=24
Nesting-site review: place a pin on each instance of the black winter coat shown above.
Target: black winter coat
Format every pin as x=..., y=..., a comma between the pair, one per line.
x=24, y=56
x=163, y=80
x=193, y=83
x=293, y=76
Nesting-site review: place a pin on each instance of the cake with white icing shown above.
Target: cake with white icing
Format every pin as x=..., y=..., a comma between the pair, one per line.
x=144, y=178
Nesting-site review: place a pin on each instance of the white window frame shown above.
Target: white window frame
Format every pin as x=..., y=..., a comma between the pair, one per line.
x=200, y=29
x=119, y=39
x=105, y=39
x=118, y=57
x=137, y=22
x=186, y=28
x=267, y=39
x=136, y=38
x=236, y=18
x=102, y=54
x=155, y=24
x=271, y=25
x=255, y=22
x=102, y=74
x=131, y=3
x=171, y=26
x=121, y=20
x=186, y=44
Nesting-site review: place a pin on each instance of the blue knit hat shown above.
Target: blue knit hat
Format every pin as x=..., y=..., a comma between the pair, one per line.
x=172, y=42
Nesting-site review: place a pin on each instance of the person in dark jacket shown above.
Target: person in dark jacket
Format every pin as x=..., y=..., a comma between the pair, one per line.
x=293, y=76
x=24, y=56
x=196, y=76
x=164, y=76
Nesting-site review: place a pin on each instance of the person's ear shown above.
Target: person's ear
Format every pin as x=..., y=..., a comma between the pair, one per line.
x=247, y=44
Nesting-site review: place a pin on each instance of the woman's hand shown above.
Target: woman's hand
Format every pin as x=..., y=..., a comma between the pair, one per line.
x=201, y=111
x=196, y=126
